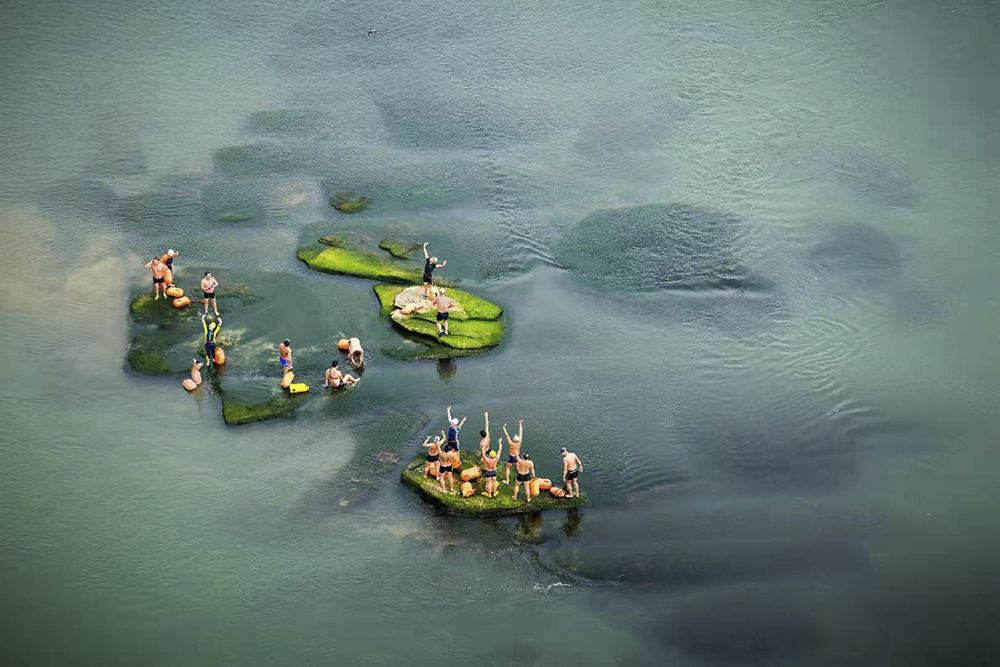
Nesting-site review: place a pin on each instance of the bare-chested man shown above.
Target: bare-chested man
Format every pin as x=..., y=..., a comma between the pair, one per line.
x=525, y=473
x=355, y=353
x=334, y=378
x=514, y=445
x=490, y=461
x=443, y=303
x=572, y=467
x=196, y=371
x=484, y=443
x=450, y=460
x=285, y=356
x=429, y=265
x=208, y=285
x=159, y=272
x=433, y=453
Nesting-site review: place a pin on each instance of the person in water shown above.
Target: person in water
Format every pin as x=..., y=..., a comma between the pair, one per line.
x=443, y=304
x=490, y=462
x=572, y=467
x=450, y=460
x=159, y=272
x=433, y=454
x=355, y=353
x=208, y=285
x=484, y=443
x=525, y=473
x=430, y=264
x=211, y=333
x=285, y=356
x=454, y=427
x=196, y=371
x=514, y=446
x=334, y=378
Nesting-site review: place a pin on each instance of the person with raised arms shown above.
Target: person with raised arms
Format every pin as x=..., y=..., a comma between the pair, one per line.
x=433, y=453
x=514, y=446
x=454, y=427
x=490, y=462
x=211, y=334
x=429, y=265
x=484, y=443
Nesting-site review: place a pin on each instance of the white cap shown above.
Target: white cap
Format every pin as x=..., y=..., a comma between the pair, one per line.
x=171, y=252
x=453, y=421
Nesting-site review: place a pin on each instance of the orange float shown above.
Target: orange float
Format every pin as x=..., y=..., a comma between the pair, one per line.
x=467, y=489
x=544, y=484
x=557, y=491
x=470, y=474
x=535, y=486
x=175, y=292
x=343, y=344
x=180, y=302
x=189, y=384
x=168, y=277
x=287, y=379
x=220, y=356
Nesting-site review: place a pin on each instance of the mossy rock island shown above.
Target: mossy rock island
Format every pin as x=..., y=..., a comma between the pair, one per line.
x=476, y=324
x=341, y=258
x=479, y=505
x=348, y=202
x=237, y=411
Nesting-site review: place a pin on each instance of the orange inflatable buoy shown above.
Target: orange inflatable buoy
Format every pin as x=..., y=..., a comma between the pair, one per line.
x=535, y=486
x=557, y=491
x=220, y=356
x=470, y=474
x=175, y=292
x=189, y=384
x=180, y=302
x=467, y=489
x=408, y=309
x=544, y=484
x=343, y=344
x=168, y=277
x=287, y=379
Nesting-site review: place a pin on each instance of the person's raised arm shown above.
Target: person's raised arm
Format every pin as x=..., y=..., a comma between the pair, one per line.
x=462, y=423
x=219, y=325
x=204, y=325
x=149, y=265
x=441, y=265
x=426, y=256
x=520, y=430
x=486, y=416
x=507, y=434
x=426, y=442
x=449, y=415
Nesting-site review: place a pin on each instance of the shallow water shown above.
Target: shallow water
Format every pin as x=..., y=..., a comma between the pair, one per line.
x=789, y=458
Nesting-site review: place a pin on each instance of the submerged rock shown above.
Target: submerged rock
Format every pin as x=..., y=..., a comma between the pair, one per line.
x=476, y=324
x=347, y=202
x=398, y=247
x=237, y=411
x=860, y=252
x=233, y=216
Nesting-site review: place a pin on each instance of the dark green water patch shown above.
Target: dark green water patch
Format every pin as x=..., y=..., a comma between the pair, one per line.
x=261, y=158
x=287, y=122
x=880, y=179
x=859, y=252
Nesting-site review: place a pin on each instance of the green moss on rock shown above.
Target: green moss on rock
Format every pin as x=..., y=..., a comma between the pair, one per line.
x=147, y=309
x=358, y=263
x=476, y=325
x=479, y=505
x=347, y=202
x=398, y=247
x=146, y=355
x=237, y=411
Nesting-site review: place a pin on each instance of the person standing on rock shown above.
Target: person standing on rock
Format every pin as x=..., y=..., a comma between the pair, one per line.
x=525, y=473
x=572, y=467
x=443, y=304
x=429, y=265
x=159, y=271
x=484, y=444
x=490, y=462
x=285, y=356
x=208, y=285
x=454, y=427
x=449, y=461
x=514, y=446
x=433, y=453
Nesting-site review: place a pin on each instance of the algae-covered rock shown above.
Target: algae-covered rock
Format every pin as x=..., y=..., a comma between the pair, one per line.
x=478, y=504
x=476, y=323
x=239, y=291
x=147, y=354
x=335, y=240
x=237, y=411
x=398, y=247
x=147, y=309
x=347, y=202
x=359, y=263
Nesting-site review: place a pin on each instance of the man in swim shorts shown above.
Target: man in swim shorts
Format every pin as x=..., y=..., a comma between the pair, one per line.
x=484, y=443
x=211, y=332
x=450, y=461
x=525, y=473
x=433, y=453
x=334, y=378
x=285, y=356
x=429, y=265
x=454, y=427
x=444, y=304
x=208, y=285
x=355, y=353
x=159, y=271
x=572, y=467
x=490, y=461
x=514, y=445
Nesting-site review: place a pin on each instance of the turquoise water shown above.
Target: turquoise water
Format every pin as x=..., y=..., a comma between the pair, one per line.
x=780, y=370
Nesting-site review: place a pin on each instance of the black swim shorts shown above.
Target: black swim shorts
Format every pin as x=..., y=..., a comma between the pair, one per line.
x=526, y=477
x=573, y=474
x=158, y=280
x=209, y=295
x=442, y=317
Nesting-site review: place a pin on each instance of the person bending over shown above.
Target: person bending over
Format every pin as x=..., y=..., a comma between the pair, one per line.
x=429, y=265
x=159, y=272
x=355, y=353
x=525, y=473
x=334, y=378
x=572, y=467
x=514, y=446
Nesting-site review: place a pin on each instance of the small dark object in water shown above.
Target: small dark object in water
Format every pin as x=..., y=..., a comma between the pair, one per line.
x=372, y=32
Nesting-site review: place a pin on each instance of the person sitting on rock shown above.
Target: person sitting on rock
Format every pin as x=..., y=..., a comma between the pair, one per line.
x=211, y=333
x=450, y=461
x=484, y=443
x=454, y=427
x=208, y=285
x=334, y=378
x=444, y=304
x=285, y=356
x=490, y=462
x=429, y=265
x=159, y=272
x=196, y=371
x=572, y=467
x=515, y=446
x=355, y=353
x=433, y=453
x=525, y=473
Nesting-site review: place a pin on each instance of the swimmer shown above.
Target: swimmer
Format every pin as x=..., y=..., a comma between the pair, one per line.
x=196, y=371
x=525, y=473
x=454, y=426
x=334, y=378
x=159, y=272
x=484, y=444
x=572, y=467
x=372, y=32
x=285, y=356
x=355, y=354
x=433, y=453
x=490, y=461
x=429, y=267
x=449, y=461
x=515, y=446
x=208, y=285
x=444, y=304
x=211, y=332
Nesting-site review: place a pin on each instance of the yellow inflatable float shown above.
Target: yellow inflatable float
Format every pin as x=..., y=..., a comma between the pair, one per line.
x=180, y=302
x=535, y=486
x=544, y=484
x=467, y=489
x=175, y=292
x=298, y=388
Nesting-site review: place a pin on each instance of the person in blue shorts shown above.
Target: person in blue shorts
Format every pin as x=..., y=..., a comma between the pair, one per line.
x=285, y=356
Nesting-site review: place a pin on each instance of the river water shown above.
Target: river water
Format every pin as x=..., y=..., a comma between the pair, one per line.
x=747, y=252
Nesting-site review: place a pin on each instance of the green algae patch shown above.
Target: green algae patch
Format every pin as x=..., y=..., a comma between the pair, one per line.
x=335, y=240
x=463, y=334
x=475, y=325
x=398, y=247
x=147, y=309
x=357, y=263
x=479, y=505
x=146, y=354
x=239, y=291
x=347, y=202
x=236, y=411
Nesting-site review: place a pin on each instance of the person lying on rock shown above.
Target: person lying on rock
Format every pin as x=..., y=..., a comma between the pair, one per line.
x=514, y=446
x=444, y=304
x=334, y=378
x=484, y=443
x=454, y=427
x=450, y=461
x=355, y=353
x=525, y=473
x=211, y=333
x=490, y=461
x=208, y=285
x=572, y=467
x=159, y=272
x=285, y=356
x=433, y=453
x=429, y=265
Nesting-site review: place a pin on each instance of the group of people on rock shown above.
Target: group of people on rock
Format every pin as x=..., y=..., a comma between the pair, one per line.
x=444, y=460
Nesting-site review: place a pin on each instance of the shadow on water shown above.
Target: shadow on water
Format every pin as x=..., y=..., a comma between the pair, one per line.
x=858, y=252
